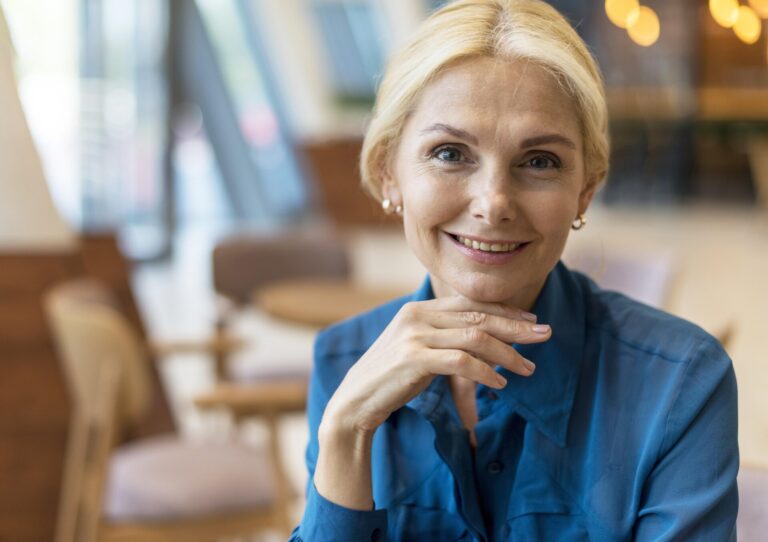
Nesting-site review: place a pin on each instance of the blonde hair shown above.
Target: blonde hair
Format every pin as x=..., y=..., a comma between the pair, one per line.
x=508, y=29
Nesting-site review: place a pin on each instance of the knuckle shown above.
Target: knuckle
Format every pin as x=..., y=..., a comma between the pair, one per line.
x=416, y=337
x=474, y=318
x=458, y=359
x=408, y=311
x=474, y=336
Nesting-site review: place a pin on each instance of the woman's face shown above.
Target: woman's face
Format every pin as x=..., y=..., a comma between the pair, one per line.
x=492, y=153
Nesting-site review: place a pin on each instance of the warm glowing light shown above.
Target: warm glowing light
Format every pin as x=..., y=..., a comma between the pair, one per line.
x=747, y=26
x=622, y=13
x=725, y=12
x=760, y=7
x=646, y=28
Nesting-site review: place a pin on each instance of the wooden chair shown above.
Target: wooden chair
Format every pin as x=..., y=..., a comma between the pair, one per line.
x=646, y=277
x=244, y=262
x=156, y=489
x=752, y=523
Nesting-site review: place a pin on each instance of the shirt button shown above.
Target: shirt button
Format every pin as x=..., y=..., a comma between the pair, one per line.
x=376, y=535
x=494, y=467
x=492, y=395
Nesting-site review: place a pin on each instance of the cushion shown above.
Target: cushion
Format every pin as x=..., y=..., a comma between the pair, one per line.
x=170, y=478
x=752, y=522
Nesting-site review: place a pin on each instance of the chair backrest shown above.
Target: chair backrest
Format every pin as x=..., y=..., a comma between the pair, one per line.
x=243, y=262
x=110, y=384
x=644, y=276
x=752, y=523
x=94, y=338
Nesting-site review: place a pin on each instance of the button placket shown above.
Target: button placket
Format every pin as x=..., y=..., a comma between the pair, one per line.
x=494, y=467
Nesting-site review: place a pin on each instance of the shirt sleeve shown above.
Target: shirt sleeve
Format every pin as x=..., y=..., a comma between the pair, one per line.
x=324, y=520
x=691, y=493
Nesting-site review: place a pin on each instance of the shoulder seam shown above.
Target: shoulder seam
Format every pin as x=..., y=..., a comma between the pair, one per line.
x=678, y=392
x=641, y=348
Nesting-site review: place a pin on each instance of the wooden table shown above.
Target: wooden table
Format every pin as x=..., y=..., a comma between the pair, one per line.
x=320, y=302
x=268, y=399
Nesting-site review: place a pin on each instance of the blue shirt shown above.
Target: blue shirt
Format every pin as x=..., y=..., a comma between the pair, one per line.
x=626, y=431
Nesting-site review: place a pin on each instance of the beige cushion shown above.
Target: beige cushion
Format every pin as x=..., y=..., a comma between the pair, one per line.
x=752, y=522
x=169, y=478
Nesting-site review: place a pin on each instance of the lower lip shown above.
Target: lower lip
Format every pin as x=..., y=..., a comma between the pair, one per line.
x=488, y=258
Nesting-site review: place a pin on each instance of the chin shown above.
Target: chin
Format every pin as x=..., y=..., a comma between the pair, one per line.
x=486, y=289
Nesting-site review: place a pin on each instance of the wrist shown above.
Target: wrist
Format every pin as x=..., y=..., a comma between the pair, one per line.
x=343, y=469
x=339, y=428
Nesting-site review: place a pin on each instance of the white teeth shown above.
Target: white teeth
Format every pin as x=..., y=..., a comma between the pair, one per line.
x=487, y=247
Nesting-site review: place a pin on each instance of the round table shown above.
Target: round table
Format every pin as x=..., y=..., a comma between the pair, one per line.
x=320, y=302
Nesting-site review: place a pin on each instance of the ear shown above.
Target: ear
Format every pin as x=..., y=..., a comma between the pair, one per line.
x=588, y=192
x=390, y=188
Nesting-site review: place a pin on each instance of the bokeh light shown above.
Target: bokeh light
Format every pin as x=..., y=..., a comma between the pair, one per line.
x=622, y=13
x=646, y=28
x=747, y=26
x=725, y=12
x=760, y=7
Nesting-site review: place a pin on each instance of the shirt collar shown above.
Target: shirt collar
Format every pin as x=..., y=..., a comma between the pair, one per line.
x=545, y=398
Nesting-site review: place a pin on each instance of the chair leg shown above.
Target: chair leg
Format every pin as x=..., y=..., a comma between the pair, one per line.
x=282, y=484
x=72, y=488
x=220, y=357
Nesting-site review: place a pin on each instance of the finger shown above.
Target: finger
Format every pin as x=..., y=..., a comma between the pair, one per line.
x=461, y=303
x=483, y=346
x=509, y=330
x=461, y=363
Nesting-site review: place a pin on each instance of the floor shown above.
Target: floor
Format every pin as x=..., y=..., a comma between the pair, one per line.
x=718, y=260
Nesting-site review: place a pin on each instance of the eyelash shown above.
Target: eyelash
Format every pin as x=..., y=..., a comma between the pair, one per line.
x=556, y=164
x=434, y=154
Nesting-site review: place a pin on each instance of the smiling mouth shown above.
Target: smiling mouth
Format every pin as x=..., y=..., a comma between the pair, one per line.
x=486, y=246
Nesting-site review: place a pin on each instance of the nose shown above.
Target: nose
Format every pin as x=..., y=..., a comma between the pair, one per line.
x=495, y=202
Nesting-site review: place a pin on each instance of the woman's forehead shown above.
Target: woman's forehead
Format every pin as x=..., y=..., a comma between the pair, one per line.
x=485, y=92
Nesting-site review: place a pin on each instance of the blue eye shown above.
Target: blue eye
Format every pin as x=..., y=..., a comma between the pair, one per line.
x=543, y=161
x=448, y=154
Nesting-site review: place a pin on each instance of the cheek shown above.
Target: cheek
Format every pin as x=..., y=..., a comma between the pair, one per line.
x=553, y=215
x=429, y=203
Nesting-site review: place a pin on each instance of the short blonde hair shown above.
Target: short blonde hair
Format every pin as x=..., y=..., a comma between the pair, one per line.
x=507, y=29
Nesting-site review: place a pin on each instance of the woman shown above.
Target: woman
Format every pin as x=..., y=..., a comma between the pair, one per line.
x=509, y=398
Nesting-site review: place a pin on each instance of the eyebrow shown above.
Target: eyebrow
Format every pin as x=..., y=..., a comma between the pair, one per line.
x=456, y=132
x=530, y=142
x=548, y=138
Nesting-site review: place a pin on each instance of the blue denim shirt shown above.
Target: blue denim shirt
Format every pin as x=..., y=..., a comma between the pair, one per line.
x=626, y=431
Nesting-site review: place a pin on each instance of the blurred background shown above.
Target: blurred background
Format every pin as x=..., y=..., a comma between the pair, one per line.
x=195, y=155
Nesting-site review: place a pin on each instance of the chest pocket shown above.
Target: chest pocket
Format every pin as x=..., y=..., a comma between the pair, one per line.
x=540, y=509
x=410, y=523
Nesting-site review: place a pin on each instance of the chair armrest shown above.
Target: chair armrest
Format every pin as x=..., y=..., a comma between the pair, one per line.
x=259, y=399
x=216, y=345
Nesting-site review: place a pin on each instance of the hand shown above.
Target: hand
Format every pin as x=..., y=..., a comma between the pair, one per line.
x=444, y=336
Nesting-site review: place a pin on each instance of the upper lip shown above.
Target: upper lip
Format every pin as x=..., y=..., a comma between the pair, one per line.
x=487, y=240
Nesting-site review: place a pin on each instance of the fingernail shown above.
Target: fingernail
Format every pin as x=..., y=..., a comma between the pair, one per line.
x=529, y=316
x=529, y=365
x=501, y=380
x=540, y=328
